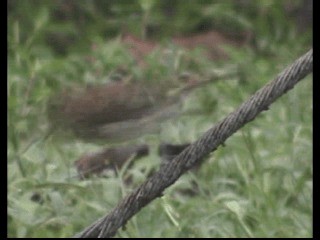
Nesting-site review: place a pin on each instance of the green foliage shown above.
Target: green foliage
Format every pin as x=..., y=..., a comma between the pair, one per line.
x=258, y=185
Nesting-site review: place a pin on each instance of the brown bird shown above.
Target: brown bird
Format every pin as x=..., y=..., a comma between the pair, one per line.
x=117, y=111
x=168, y=151
x=108, y=158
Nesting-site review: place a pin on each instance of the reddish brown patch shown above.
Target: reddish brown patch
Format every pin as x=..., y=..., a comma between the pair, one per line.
x=211, y=41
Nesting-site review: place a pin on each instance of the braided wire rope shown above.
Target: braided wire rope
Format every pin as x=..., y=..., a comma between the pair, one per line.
x=154, y=186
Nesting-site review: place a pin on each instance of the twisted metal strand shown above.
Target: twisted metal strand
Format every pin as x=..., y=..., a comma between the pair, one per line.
x=153, y=187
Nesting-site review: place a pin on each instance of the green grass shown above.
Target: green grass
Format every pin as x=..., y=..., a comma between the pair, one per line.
x=258, y=185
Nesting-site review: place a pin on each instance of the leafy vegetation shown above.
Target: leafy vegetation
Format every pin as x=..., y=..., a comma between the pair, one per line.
x=258, y=185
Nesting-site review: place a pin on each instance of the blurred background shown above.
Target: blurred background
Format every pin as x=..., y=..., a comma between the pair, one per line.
x=258, y=185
